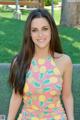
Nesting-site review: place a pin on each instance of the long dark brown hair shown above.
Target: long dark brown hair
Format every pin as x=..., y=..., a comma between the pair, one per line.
x=21, y=63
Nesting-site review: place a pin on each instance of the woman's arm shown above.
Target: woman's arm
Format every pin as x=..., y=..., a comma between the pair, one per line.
x=67, y=91
x=15, y=102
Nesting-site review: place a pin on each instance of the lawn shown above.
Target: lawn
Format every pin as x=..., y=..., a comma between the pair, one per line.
x=11, y=34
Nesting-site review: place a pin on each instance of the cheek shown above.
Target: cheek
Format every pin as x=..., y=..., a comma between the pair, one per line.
x=48, y=35
x=33, y=36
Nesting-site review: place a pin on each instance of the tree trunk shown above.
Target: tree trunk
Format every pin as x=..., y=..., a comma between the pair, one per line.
x=70, y=13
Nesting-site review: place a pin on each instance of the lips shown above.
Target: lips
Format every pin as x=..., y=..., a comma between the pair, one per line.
x=40, y=40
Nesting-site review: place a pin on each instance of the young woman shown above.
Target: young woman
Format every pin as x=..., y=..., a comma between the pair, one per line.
x=41, y=73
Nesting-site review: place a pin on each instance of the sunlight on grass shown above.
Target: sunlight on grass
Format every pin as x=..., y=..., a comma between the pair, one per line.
x=76, y=45
x=67, y=38
x=11, y=35
x=57, y=14
x=7, y=14
x=25, y=13
x=10, y=51
x=2, y=33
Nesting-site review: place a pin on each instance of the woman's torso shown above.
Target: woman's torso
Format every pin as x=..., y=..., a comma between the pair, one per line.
x=42, y=91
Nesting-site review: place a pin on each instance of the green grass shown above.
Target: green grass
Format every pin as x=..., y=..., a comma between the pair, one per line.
x=57, y=14
x=11, y=34
x=9, y=13
x=70, y=38
x=10, y=38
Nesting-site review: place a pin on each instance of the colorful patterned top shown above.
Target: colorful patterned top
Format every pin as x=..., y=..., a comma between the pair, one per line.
x=42, y=91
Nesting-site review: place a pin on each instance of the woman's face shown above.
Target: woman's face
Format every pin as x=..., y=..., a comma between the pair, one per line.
x=40, y=33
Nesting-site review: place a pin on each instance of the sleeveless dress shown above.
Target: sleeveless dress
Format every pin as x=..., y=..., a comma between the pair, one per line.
x=42, y=91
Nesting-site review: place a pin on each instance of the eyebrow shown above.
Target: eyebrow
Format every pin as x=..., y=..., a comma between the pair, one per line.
x=36, y=27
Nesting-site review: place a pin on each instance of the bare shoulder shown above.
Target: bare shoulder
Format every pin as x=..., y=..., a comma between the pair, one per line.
x=67, y=62
x=63, y=62
x=63, y=57
x=67, y=59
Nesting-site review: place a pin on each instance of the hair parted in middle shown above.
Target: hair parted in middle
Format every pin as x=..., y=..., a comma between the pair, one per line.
x=21, y=64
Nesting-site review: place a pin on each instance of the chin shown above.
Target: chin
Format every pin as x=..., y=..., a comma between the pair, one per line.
x=42, y=47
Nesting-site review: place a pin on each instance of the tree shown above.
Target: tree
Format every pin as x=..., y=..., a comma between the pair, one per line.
x=70, y=12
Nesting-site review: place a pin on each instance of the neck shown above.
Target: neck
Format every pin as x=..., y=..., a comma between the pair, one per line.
x=42, y=53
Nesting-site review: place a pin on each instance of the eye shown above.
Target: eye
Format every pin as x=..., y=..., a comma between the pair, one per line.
x=34, y=30
x=45, y=28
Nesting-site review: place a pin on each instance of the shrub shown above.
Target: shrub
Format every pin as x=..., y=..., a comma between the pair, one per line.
x=49, y=2
x=56, y=1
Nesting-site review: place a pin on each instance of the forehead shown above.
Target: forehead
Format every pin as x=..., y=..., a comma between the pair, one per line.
x=39, y=22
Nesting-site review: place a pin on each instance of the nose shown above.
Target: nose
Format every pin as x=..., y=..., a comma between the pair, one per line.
x=40, y=33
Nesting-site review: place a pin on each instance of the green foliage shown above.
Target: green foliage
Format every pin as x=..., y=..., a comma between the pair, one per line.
x=56, y=1
x=49, y=2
